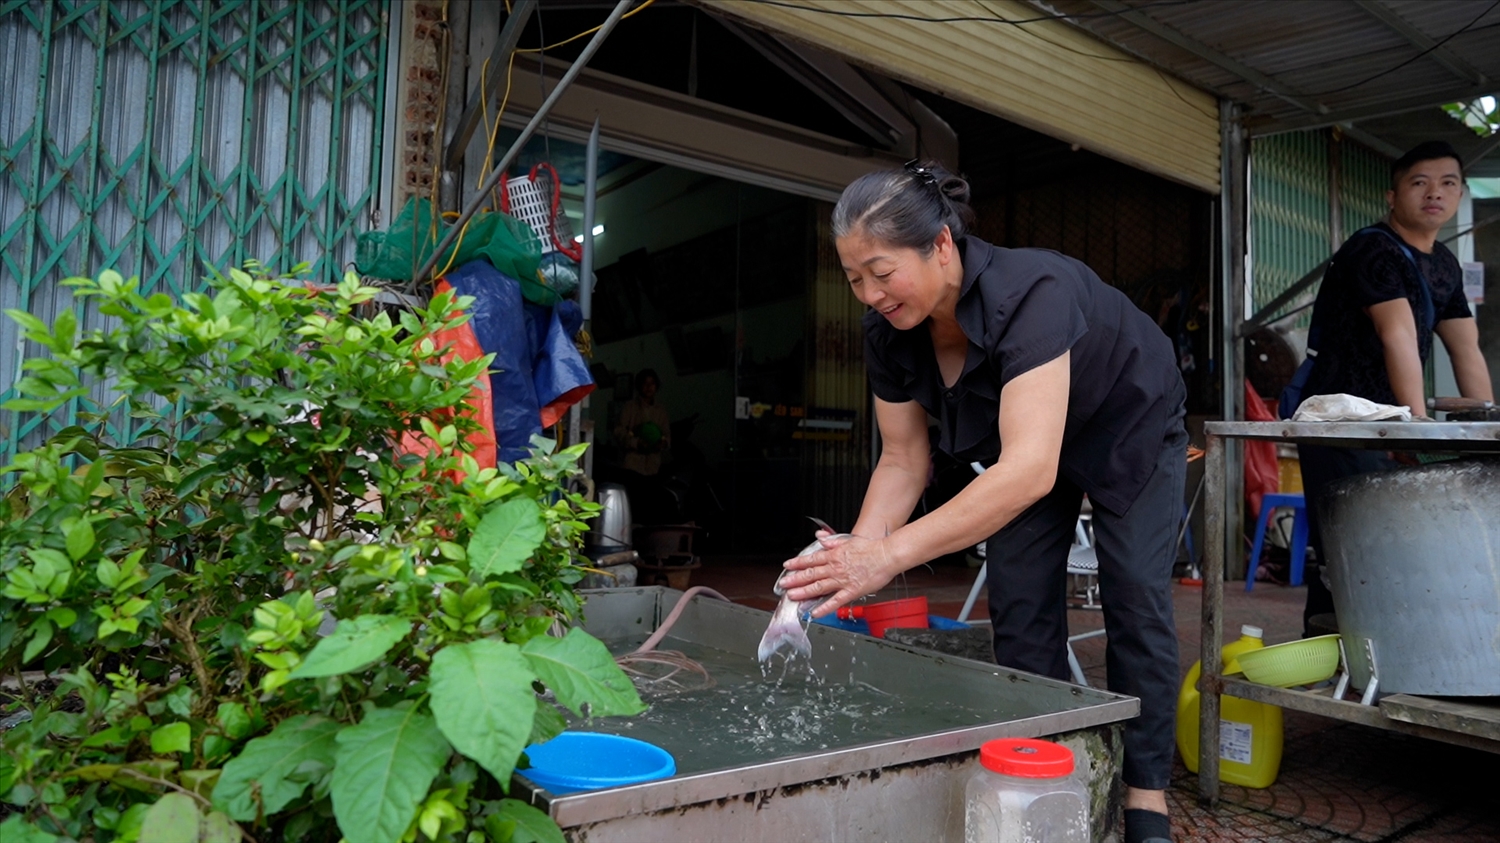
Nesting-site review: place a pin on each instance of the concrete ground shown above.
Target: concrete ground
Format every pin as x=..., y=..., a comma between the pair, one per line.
x=1338, y=781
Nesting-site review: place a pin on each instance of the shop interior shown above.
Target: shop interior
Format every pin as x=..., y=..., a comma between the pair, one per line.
x=729, y=291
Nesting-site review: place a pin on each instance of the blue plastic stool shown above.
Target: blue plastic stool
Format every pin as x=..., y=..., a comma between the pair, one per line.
x=1268, y=504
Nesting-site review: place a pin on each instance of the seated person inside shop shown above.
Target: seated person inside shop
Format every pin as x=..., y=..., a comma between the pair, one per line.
x=1388, y=291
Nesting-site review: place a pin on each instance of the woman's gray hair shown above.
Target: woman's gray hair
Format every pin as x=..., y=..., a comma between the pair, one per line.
x=906, y=208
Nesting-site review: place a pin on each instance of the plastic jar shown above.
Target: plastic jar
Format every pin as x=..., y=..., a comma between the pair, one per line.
x=1025, y=792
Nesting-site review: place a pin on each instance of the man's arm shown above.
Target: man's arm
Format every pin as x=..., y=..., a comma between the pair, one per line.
x=1397, y=329
x=1461, y=338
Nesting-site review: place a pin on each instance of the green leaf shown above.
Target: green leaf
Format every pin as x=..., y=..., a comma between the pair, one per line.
x=581, y=672
x=352, y=645
x=483, y=701
x=173, y=819
x=384, y=768
x=267, y=765
x=48, y=562
x=80, y=538
x=548, y=723
x=62, y=616
x=17, y=830
x=531, y=825
x=219, y=828
x=129, y=826
x=505, y=537
x=41, y=636
x=234, y=719
x=173, y=737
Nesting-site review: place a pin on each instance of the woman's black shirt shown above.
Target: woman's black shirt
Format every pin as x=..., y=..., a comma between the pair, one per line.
x=1021, y=308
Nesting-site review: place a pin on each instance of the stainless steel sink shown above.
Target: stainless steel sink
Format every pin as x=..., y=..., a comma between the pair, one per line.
x=863, y=786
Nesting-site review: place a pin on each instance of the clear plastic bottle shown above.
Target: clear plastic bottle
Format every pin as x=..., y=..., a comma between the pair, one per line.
x=1025, y=792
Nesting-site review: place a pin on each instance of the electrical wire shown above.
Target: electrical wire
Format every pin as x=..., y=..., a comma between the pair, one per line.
x=1391, y=70
x=1127, y=58
x=964, y=18
x=999, y=18
x=993, y=18
x=636, y=10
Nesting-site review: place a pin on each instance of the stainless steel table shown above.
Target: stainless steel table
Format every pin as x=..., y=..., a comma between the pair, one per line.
x=1444, y=720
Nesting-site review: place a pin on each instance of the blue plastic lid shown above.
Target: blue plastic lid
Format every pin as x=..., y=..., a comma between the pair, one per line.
x=575, y=761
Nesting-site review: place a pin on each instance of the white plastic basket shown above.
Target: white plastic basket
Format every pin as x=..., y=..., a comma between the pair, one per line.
x=531, y=202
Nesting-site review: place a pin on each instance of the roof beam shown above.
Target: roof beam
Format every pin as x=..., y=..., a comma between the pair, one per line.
x=1212, y=56
x=1484, y=148
x=494, y=73
x=1419, y=39
x=1378, y=144
x=821, y=82
x=1382, y=108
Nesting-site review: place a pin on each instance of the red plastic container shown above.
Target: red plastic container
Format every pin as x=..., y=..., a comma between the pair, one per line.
x=910, y=613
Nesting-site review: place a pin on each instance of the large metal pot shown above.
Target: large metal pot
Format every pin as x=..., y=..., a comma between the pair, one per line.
x=1414, y=565
x=611, y=532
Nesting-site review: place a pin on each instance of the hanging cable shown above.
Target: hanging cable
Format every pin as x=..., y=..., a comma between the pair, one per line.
x=999, y=18
x=1389, y=71
x=636, y=10
x=964, y=18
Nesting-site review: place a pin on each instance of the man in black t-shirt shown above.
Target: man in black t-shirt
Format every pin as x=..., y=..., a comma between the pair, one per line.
x=1389, y=289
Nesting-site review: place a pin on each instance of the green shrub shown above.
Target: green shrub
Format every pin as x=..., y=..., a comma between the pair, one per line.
x=265, y=617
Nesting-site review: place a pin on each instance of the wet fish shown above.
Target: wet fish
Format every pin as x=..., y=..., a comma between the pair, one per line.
x=786, y=628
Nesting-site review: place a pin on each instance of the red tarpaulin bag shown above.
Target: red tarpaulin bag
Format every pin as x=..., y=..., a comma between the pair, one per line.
x=1262, y=475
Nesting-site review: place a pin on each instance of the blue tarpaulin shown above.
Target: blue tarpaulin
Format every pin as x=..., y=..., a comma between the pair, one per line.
x=537, y=372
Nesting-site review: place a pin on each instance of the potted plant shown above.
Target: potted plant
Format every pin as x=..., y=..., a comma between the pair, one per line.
x=295, y=607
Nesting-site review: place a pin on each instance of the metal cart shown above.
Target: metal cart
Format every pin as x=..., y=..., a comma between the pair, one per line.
x=1467, y=724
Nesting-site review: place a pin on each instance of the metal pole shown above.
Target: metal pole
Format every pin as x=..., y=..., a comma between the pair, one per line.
x=526, y=133
x=590, y=197
x=449, y=192
x=1213, y=622
x=1232, y=303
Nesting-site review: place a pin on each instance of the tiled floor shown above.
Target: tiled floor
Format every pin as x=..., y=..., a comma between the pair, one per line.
x=1338, y=782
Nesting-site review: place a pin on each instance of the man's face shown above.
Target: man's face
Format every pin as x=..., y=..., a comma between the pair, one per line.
x=1426, y=196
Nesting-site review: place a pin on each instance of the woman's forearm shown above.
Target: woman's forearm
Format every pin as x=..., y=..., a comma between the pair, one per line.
x=993, y=500
x=892, y=495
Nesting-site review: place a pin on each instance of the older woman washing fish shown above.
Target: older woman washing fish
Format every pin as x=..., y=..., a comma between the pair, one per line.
x=1035, y=367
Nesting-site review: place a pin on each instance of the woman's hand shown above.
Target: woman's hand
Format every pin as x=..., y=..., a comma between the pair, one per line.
x=845, y=570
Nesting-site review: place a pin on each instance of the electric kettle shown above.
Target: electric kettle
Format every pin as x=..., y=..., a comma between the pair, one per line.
x=611, y=533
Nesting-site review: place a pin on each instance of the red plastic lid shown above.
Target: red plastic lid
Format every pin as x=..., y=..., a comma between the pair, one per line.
x=1027, y=758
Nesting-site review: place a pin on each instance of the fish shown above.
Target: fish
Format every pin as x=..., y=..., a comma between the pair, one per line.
x=786, y=629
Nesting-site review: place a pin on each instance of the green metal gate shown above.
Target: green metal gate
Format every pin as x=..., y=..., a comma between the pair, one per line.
x=155, y=137
x=1293, y=211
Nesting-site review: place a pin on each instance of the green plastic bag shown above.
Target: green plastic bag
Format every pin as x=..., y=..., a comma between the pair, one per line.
x=505, y=242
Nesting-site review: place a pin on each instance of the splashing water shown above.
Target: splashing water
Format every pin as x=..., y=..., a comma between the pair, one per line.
x=759, y=712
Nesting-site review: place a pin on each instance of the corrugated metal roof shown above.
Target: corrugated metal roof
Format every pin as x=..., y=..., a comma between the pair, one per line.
x=1045, y=76
x=1313, y=62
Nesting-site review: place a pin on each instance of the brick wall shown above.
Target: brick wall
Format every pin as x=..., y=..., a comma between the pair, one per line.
x=419, y=101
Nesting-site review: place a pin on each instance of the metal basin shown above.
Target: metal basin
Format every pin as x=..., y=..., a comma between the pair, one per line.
x=866, y=785
x=1414, y=563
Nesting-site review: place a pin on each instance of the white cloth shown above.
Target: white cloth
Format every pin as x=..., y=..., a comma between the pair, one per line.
x=1342, y=407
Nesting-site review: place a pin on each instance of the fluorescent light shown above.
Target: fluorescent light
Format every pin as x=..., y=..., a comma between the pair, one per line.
x=598, y=230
